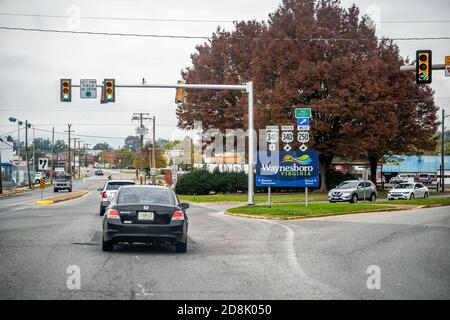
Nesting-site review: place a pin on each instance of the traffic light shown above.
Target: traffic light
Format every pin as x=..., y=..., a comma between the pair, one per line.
x=66, y=90
x=108, y=91
x=423, y=66
x=179, y=97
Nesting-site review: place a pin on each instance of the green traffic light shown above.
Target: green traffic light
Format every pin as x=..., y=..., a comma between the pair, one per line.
x=66, y=97
x=109, y=96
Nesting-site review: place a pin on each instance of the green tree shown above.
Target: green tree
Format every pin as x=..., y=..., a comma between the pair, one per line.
x=132, y=143
x=102, y=146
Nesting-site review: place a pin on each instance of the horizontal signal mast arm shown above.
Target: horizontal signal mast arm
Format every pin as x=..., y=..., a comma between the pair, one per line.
x=440, y=66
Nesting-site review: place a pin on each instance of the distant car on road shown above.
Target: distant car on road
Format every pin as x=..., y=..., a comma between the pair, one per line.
x=62, y=182
x=145, y=214
x=99, y=173
x=38, y=176
x=109, y=190
x=409, y=191
x=352, y=191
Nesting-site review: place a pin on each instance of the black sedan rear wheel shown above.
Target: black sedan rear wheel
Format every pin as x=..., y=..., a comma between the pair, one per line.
x=107, y=245
x=181, y=247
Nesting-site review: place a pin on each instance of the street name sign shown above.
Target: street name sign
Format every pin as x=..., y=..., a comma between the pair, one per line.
x=303, y=113
x=287, y=169
x=88, y=88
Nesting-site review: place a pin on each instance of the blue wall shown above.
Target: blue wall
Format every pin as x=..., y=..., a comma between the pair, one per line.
x=412, y=164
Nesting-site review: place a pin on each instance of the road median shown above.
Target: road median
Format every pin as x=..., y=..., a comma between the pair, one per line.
x=314, y=210
x=61, y=198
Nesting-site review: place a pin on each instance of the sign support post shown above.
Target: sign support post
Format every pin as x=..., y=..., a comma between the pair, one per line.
x=269, y=199
x=306, y=197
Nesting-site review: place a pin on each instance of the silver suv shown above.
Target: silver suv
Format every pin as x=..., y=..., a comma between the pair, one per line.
x=353, y=191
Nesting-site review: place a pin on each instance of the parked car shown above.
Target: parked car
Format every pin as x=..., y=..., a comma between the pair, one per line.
x=109, y=190
x=38, y=176
x=62, y=182
x=353, y=191
x=99, y=173
x=398, y=179
x=145, y=214
x=426, y=178
x=409, y=191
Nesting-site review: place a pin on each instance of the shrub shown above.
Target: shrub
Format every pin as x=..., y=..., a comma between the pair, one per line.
x=202, y=182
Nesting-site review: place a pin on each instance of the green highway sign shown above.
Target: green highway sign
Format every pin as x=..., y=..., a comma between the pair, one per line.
x=303, y=112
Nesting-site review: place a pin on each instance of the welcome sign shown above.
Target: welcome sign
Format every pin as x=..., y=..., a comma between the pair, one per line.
x=288, y=169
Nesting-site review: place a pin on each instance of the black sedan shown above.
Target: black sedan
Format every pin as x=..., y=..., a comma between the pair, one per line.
x=145, y=214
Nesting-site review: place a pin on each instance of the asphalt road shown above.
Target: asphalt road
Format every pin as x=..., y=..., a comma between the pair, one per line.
x=227, y=258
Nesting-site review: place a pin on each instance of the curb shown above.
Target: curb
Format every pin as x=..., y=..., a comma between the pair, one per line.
x=57, y=199
x=44, y=202
x=285, y=218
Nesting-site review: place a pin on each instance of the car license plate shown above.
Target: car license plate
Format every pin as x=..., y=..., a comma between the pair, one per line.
x=145, y=215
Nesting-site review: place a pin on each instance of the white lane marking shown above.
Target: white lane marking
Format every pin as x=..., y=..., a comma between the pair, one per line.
x=291, y=257
x=143, y=293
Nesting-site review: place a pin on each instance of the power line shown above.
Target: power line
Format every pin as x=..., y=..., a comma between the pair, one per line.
x=147, y=35
x=115, y=18
x=81, y=135
x=181, y=20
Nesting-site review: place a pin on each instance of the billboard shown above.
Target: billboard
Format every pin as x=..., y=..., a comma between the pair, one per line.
x=288, y=169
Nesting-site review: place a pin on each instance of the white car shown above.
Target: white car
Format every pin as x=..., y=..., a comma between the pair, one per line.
x=409, y=190
x=109, y=191
x=38, y=176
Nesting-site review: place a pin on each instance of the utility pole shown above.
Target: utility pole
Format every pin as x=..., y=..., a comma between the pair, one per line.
x=141, y=117
x=1, y=178
x=86, y=146
x=34, y=154
x=18, y=145
x=74, y=157
x=79, y=159
x=53, y=155
x=26, y=153
x=69, y=169
x=154, y=149
x=443, y=151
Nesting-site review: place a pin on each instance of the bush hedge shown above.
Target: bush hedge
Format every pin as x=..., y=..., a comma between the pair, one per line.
x=203, y=182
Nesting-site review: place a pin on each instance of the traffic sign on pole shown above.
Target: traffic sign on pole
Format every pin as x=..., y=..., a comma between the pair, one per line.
x=303, y=136
x=88, y=88
x=303, y=113
x=43, y=164
x=272, y=134
x=447, y=66
x=303, y=122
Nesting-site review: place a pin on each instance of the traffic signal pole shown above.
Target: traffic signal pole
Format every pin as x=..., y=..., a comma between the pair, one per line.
x=439, y=66
x=247, y=88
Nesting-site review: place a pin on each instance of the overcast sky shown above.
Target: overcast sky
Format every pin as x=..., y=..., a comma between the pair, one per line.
x=31, y=63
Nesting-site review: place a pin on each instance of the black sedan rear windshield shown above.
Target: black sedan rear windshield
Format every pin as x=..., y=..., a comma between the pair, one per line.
x=118, y=184
x=146, y=195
